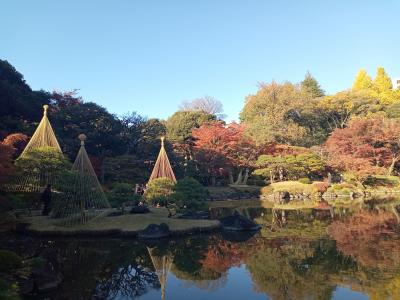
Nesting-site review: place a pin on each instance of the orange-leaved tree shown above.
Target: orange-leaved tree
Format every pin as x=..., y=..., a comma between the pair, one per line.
x=17, y=141
x=367, y=146
x=221, y=148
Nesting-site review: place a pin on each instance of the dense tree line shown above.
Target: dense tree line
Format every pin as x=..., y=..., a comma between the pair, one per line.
x=287, y=131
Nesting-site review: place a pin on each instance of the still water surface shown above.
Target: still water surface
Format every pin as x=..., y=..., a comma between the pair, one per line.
x=344, y=253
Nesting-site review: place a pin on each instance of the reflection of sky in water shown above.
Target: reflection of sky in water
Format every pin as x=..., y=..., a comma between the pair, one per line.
x=237, y=286
x=344, y=293
x=308, y=256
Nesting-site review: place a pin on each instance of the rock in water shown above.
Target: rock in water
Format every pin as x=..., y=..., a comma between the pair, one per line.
x=154, y=231
x=238, y=222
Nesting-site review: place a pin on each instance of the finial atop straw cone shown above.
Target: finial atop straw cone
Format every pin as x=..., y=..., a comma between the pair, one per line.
x=45, y=109
x=162, y=141
x=82, y=138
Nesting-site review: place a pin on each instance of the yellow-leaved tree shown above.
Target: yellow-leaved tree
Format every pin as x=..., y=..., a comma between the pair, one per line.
x=363, y=81
x=382, y=82
x=380, y=88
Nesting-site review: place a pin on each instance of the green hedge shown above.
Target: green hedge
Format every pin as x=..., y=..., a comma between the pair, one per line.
x=122, y=192
x=189, y=193
x=159, y=191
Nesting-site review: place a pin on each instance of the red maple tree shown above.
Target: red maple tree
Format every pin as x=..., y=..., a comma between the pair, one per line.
x=17, y=141
x=367, y=146
x=220, y=148
x=6, y=162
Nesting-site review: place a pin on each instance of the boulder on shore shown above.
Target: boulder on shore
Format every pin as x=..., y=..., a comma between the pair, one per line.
x=139, y=210
x=238, y=222
x=154, y=231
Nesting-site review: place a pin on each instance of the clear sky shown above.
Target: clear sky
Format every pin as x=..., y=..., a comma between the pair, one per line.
x=148, y=56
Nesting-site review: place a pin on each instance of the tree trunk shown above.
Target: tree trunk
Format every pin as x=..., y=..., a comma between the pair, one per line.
x=213, y=180
x=246, y=176
x=239, y=178
x=391, y=167
x=396, y=213
x=230, y=176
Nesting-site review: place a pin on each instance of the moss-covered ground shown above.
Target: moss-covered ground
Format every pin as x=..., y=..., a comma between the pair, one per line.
x=127, y=224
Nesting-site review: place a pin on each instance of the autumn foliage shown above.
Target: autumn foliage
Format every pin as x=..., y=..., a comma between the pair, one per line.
x=367, y=146
x=222, y=255
x=17, y=141
x=6, y=162
x=222, y=147
x=370, y=237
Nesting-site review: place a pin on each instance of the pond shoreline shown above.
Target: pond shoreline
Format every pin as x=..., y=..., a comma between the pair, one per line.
x=124, y=226
x=117, y=233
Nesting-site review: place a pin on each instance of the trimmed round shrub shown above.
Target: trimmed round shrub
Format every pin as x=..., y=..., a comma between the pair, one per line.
x=320, y=186
x=304, y=180
x=45, y=160
x=121, y=193
x=189, y=193
x=159, y=191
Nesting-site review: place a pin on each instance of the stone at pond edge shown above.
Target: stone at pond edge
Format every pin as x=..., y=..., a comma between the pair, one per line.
x=237, y=222
x=154, y=231
x=139, y=210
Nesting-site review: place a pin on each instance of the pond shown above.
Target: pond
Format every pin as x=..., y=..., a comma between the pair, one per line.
x=341, y=253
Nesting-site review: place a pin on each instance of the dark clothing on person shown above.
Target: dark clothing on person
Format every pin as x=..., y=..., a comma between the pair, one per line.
x=46, y=199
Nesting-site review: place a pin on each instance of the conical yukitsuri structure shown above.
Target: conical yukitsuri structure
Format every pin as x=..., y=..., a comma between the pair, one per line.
x=43, y=137
x=41, y=161
x=162, y=167
x=84, y=200
x=162, y=265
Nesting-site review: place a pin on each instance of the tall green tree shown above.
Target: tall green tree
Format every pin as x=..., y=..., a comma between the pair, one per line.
x=20, y=107
x=101, y=128
x=132, y=126
x=151, y=132
x=310, y=85
x=180, y=125
x=338, y=109
x=266, y=114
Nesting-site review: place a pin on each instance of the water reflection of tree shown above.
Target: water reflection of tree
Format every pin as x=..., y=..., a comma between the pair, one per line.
x=82, y=261
x=129, y=281
x=370, y=237
x=104, y=269
x=127, y=272
x=295, y=270
x=222, y=255
x=189, y=264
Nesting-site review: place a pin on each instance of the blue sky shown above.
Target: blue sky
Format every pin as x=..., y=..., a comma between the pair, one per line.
x=148, y=56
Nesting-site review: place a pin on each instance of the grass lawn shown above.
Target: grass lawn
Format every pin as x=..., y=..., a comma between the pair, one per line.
x=127, y=224
x=241, y=203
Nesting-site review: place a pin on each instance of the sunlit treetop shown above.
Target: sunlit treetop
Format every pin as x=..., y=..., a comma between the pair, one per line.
x=382, y=81
x=311, y=86
x=363, y=81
